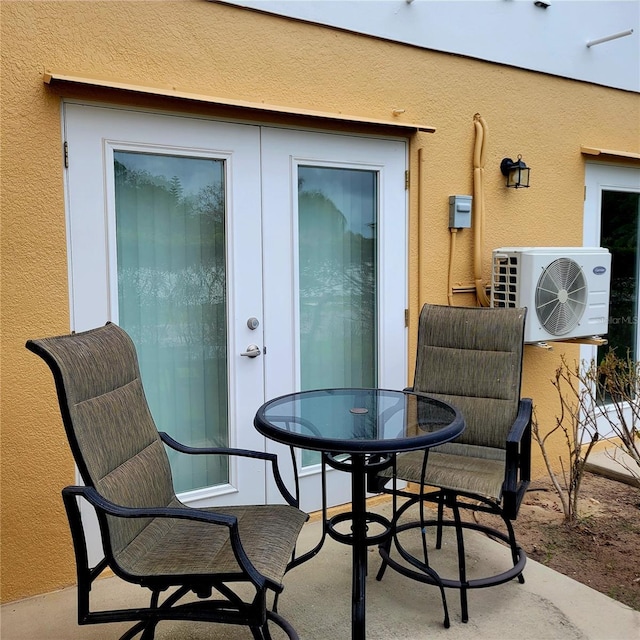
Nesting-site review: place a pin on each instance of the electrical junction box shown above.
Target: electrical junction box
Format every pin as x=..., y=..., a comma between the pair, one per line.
x=460, y=212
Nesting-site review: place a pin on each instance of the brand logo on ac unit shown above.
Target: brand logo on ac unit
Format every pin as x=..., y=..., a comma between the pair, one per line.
x=599, y=270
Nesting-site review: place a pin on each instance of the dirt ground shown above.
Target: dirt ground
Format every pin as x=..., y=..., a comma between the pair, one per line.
x=602, y=550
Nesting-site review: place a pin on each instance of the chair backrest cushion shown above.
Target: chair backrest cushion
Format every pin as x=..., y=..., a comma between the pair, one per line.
x=471, y=357
x=110, y=429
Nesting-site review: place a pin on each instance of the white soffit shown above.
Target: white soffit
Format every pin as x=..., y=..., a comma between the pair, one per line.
x=514, y=32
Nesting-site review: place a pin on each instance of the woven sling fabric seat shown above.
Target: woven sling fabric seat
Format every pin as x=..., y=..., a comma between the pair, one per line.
x=459, y=468
x=149, y=536
x=186, y=547
x=470, y=357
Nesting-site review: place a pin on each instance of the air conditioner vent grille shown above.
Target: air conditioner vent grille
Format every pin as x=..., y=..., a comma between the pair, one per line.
x=505, y=281
x=561, y=296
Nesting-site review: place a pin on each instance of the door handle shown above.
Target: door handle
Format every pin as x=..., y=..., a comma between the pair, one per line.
x=253, y=351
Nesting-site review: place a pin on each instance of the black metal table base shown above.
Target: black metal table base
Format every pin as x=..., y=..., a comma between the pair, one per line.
x=359, y=466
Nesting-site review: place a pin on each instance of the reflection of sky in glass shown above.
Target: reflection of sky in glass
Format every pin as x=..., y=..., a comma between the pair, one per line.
x=193, y=173
x=352, y=191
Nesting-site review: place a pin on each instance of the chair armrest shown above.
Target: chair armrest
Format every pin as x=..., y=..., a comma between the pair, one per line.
x=522, y=421
x=518, y=460
x=229, y=451
x=104, y=506
x=120, y=511
x=183, y=448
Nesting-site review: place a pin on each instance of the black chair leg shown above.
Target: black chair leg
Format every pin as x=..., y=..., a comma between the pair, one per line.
x=514, y=546
x=386, y=545
x=149, y=632
x=257, y=634
x=284, y=625
x=382, y=569
x=445, y=608
x=440, y=519
x=135, y=630
x=462, y=563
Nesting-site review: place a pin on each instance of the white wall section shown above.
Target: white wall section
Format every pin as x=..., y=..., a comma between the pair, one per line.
x=515, y=32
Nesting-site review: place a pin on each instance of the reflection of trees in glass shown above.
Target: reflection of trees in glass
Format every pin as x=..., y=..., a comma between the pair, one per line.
x=172, y=300
x=337, y=297
x=170, y=250
x=176, y=189
x=619, y=233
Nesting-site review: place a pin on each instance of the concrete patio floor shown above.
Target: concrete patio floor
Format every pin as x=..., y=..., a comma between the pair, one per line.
x=317, y=595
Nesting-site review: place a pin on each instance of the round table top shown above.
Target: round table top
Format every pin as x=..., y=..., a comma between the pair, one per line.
x=359, y=420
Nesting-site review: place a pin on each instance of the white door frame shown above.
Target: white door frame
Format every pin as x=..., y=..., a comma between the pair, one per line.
x=601, y=177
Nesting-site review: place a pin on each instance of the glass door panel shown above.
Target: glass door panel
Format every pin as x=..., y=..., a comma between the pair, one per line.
x=619, y=230
x=337, y=214
x=337, y=249
x=171, y=272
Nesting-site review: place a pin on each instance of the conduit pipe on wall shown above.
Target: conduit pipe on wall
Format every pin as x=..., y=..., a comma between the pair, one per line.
x=479, y=152
x=452, y=248
x=420, y=229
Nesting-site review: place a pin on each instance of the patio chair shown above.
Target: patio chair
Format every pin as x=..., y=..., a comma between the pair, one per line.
x=149, y=537
x=470, y=357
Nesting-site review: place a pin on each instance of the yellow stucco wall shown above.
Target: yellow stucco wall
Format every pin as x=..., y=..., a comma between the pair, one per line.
x=218, y=50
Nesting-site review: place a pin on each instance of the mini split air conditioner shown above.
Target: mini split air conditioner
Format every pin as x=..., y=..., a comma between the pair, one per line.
x=565, y=289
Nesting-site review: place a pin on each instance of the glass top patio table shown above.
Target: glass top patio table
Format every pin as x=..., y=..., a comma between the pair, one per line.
x=370, y=426
x=359, y=420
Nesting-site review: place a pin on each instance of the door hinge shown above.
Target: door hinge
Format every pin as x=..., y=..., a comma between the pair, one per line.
x=66, y=154
x=406, y=317
x=406, y=179
x=585, y=191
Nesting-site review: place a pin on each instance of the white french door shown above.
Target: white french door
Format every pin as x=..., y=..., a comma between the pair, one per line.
x=152, y=248
x=334, y=269
x=245, y=262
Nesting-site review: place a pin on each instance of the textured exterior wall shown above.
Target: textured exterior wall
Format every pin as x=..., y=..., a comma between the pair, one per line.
x=213, y=49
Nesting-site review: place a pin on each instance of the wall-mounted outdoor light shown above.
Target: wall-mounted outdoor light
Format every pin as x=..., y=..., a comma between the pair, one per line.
x=517, y=172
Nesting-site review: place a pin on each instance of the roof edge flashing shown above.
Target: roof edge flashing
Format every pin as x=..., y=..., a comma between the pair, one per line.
x=53, y=78
x=596, y=151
